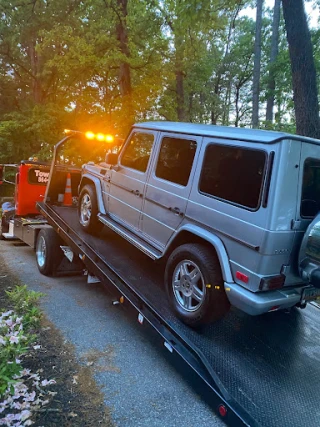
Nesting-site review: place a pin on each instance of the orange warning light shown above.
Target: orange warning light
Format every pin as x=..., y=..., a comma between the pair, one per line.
x=100, y=137
x=90, y=135
x=109, y=138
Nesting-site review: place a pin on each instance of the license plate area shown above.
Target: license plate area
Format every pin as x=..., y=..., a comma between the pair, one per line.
x=310, y=294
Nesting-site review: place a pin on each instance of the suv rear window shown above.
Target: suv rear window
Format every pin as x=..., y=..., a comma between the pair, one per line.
x=310, y=197
x=233, y=174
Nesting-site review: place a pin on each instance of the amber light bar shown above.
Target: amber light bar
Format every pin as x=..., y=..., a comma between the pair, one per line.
x=99, y=136
x=90, y=135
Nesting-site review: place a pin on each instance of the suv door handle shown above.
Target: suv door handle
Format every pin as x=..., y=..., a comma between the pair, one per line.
x=107, y=178
x=176, y=211
x=136, y=192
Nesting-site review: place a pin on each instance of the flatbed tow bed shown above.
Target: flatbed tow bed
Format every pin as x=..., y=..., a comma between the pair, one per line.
x=264, y=370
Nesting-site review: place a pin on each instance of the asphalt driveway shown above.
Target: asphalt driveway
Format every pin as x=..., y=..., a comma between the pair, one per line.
x=143, y=384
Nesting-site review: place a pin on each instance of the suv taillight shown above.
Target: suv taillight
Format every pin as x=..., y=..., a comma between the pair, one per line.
x=271, y=283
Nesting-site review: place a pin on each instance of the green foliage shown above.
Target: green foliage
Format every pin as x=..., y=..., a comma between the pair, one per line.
x=61, y=65
x=25, y=304
x=7, y=372
x=16, y=332
x=29, y=133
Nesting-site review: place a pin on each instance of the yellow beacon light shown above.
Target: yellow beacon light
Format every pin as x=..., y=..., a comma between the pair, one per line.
x=109, y=138
x=90, y=135
x=100, y=137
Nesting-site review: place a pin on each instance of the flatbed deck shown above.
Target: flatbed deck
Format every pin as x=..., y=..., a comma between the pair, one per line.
x=265, y=369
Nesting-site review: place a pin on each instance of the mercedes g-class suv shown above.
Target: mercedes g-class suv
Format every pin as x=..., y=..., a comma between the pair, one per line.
x=225, y=208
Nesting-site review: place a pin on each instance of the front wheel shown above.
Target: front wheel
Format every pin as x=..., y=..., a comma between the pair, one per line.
x=88, y=210
x=48, y=252
x=195, y=286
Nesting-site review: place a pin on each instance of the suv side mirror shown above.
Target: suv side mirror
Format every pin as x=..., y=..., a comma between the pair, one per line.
x=112, y=158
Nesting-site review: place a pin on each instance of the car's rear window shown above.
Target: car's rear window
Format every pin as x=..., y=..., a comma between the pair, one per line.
x=310, y=195
x=233, y=174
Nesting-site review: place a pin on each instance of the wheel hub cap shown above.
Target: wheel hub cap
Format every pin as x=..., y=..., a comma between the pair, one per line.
x=85, y=209
x=41, y=252
x=188, y=285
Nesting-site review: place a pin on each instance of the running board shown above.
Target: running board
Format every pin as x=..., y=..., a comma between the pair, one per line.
x=130, y=237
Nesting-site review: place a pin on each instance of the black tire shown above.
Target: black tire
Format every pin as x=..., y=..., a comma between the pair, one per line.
x=2, y=229
x=204, y=300
x=5, y=223
x=89, y=222
x=48, y=252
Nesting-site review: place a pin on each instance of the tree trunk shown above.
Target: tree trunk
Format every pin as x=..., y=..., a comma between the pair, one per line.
x=273, y=57
x=256, y=68
x=122, y=36
x=191, y=114
x=202, y=107
x=217, y=88
x=181, y=110
x=36, y=82
x=237, y=119
x=180, y=96
x=226, y=106
x=303, y=69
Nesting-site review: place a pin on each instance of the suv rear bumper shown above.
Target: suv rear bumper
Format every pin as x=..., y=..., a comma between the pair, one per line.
x=262, y=302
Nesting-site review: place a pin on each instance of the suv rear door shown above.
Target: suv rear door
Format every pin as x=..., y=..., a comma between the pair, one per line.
x=169, y=186
x=307, y=200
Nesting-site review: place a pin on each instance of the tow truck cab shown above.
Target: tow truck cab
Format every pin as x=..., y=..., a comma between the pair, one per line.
x=29, y=179
x=31, y=182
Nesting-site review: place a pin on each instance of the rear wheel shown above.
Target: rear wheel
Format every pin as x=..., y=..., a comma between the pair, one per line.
x=48, y=252
x=2, y=228
x=88, y=210
x=195, y=286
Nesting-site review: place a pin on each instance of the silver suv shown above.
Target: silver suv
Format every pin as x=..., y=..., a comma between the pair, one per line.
x=226, y=208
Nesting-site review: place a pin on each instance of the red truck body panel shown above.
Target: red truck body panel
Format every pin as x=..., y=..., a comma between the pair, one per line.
x=31, y=182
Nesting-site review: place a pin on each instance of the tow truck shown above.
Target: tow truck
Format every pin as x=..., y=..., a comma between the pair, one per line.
x=21, y=219
x=261, y=371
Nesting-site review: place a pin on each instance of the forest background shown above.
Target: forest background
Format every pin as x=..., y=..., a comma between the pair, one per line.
x=102, y=65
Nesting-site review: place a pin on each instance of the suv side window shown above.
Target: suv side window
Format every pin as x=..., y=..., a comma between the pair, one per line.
x=233, y=174
x=137, y=152
x=176, y=159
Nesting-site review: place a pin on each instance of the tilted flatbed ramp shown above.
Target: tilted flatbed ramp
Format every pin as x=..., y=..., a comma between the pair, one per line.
x=265, y=369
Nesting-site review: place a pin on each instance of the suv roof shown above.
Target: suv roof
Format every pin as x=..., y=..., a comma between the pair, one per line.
x=251, y=135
